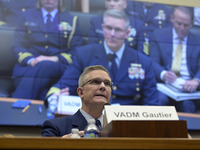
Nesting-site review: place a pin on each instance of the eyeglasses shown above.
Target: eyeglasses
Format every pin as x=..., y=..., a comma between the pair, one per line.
x=107, y=83
x=117, y=30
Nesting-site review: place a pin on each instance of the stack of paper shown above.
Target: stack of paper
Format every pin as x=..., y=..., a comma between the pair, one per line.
x=177, y=95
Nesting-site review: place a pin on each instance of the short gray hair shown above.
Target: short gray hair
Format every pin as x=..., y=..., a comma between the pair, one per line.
x=89, y=69
x=115, y=13
x=186, y=10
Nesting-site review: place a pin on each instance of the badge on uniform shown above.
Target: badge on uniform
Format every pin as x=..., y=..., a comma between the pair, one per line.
x=135, y=71
x=132, y=32
x=161, y=15
x=64, y=26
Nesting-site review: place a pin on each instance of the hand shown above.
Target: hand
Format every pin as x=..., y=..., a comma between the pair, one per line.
x=80, y=133
x=64, y=91
x=43, y=58
x=169, y=76
x=190, y=86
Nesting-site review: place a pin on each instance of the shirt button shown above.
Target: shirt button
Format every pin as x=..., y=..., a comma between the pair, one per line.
x=46, y=35
x=46, y=46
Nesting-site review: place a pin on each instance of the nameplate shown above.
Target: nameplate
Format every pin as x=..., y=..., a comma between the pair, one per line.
x=139, y=113
x=68, y=104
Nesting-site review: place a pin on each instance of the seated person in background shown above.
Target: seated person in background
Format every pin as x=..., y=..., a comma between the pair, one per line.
x=43, y=43
x=95, y=34
x=153, y=16
x=176, y=53
x=94, y=90
x=11, y=10
x=131, y=71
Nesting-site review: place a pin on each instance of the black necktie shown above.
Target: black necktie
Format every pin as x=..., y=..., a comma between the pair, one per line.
x=98, y=124
x=48, y=22
x=114, y=68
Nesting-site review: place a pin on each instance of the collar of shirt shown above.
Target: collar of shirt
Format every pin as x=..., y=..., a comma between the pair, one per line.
x=88, y=116
x=119, y=53
x=44, y=13
x=175, y=38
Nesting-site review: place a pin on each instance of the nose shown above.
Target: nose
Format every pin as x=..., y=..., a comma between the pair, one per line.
x=182, y=26
x=102, y=86
x=112, y=31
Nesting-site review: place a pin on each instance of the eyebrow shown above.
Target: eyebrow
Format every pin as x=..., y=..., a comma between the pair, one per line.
x=100, y=79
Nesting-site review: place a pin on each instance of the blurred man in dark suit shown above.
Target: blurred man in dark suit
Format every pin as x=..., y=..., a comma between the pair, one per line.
x=176, y=54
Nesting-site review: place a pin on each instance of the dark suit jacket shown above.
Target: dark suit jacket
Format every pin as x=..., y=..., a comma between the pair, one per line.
x=126, y=90
x=161, y=52
x=58, y=127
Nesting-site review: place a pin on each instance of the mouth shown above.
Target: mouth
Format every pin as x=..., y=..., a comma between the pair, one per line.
x=101, y=95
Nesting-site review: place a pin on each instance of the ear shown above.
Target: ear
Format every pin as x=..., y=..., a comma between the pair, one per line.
x=127, y=33
x=125, y=4
x=171, y=18
x=80, y=92
x=102, y=26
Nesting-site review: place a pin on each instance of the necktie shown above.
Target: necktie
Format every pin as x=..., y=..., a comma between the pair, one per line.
x=48, y=22
x=114, y=68
x=176, y=63
x=98, y=124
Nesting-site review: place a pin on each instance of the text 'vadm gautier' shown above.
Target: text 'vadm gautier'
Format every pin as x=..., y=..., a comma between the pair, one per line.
x=143, y=114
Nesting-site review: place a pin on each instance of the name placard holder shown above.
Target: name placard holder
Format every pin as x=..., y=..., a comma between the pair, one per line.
x=143, y=121
x=68, y=105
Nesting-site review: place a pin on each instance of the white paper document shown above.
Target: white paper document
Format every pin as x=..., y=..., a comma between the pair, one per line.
x=178, y=84
x=177, y=95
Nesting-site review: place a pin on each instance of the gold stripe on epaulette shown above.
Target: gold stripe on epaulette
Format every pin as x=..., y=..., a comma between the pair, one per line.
x=67, y=57
x=2, y=23
x=73, y=31
x=22, y=56
x=53, y=90
x=146, y=48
